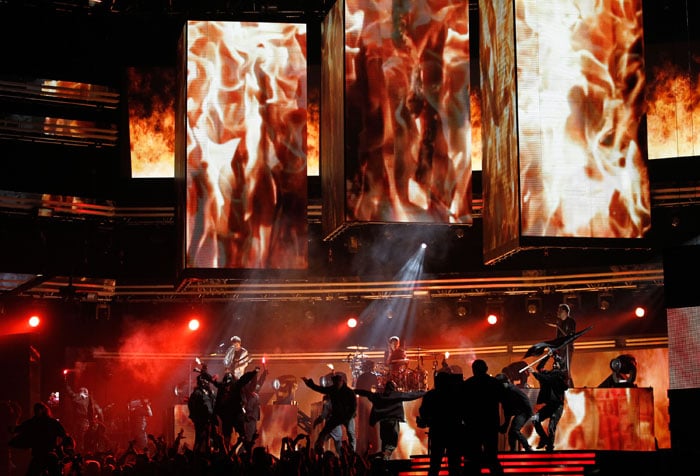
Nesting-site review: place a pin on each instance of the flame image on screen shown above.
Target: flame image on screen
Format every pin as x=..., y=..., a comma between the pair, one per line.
x=407, y=98
x=673, y=112
x=246, y=145
x=581, y=86
x=152, y=121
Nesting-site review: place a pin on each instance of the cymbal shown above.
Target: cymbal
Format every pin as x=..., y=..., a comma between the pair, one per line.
x=357, y=347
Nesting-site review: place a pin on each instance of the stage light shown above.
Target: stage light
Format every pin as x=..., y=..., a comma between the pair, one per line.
x=352, y=322
x=605, y=301
x=573, y=301
x=423, y=245
x=34, y=321
x=193, y=325
x=494, y=311
x=533, y=305
x=463, y=309
x=639, y=311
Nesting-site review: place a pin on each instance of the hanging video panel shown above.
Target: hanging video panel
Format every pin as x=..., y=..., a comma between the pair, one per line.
x=245, y=125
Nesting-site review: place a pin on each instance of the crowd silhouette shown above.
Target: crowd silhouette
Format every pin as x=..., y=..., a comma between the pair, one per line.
x=462, y=418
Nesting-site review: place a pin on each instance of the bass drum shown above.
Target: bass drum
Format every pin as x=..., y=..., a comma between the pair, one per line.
x=417, y=380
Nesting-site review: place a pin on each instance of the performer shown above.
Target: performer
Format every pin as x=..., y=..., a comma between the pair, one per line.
x=565, y=325
x=237, y=358
x=553, y=386
x=201, y=407
x=387, y=409
x=395, y=357
x=517, y=411
x=139, y=412
x=343, y=409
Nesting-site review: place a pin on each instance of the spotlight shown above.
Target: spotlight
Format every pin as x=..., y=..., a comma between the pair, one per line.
x=533, y=305
x=639, y=312
x=423, y=245
x=34, y=321
x=494, y=311
x=605, y=301
x=352, y=322
x=193, y=325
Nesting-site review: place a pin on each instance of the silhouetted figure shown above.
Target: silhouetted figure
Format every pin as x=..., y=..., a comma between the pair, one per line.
x=228, y=404
x=565, y=325
x=439, y=413
x=343, y=409
x=336, y=434
x=553, y=386
x=517, y=411
x=251, y=413
x=482, y=418
x=43, y=434
x=84, y=411
x=10, y=414
x=201, y=407
x=387, y=409
x=139, y=412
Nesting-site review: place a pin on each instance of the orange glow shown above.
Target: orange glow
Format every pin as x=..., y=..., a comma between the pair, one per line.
x=34, y=321
x=193, y=324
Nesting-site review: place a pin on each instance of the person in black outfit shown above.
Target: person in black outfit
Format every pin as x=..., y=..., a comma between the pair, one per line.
x=565, y=325
x=553, y=386
x=43, y=434
x=343, y=409
x=201, y=407
x=483, y=395
x=387, y=409
x=438, y=412
x=228, y=404
x=517, y=411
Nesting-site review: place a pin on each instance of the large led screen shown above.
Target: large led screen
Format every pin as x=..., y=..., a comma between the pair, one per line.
x=407, y=128
x=672, y=47
x=498, y=128
x=245, y=125
x=151, y=98
x=580, y=89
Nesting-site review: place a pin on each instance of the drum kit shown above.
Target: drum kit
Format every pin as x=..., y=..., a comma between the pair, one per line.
x=405, y=378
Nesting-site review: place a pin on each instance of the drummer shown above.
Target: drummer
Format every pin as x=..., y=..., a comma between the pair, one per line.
x=395, y=357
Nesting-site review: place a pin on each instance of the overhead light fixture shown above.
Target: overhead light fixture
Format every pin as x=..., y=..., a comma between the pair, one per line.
x=533, y=305
x=573, y=301
x=605, y=301
x=463, y=308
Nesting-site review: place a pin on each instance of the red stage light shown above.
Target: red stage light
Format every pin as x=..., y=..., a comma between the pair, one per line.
x=193, y=324
x=492, y=319
x=639, y=311
x=34, y=321
x=352, y=322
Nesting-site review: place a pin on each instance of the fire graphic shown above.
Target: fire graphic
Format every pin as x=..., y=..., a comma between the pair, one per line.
x=581, y=86
x=246, y=145
x=407, y=111
x=673, y=111
x=152, y=122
